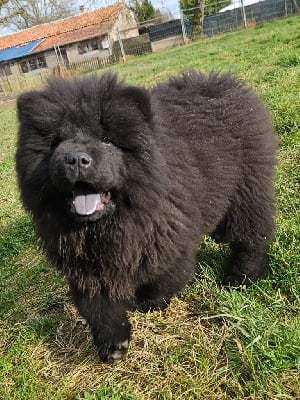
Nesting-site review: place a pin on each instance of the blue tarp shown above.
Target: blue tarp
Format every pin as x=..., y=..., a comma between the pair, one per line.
x=14, y=52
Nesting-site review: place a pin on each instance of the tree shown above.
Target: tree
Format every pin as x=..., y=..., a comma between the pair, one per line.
x=198, y=18
x=211, y=6
x=195, y=10
x=144, y=10
x=22, y=14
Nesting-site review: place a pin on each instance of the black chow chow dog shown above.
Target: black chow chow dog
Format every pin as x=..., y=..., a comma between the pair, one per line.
x=123, y=182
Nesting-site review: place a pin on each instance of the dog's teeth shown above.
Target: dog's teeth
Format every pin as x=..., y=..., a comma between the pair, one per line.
x=125, y=344
x=81, y=320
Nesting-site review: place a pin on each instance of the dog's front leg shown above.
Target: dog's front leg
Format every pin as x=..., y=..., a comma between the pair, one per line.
x=108, y=322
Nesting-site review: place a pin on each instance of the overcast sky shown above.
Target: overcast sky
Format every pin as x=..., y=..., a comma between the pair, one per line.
x=171, y=5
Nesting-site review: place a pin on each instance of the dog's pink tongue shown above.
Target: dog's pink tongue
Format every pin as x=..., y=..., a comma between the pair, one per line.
x=86, y=204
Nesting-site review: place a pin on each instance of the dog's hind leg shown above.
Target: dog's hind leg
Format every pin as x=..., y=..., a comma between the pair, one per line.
x=156, y=294
x=150, y=297
x=249, y=262
x=248, y=227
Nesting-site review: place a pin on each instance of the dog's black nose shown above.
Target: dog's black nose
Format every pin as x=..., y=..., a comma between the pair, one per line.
x=78, y=159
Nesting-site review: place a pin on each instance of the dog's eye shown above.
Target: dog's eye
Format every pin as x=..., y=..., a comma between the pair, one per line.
x=105, y=139
x=55, y=142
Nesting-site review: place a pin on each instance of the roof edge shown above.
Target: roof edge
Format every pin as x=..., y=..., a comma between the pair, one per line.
x=118, y=4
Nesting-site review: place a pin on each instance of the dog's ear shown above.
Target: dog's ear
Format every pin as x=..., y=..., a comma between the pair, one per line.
x=26, y=103
x=39, y=109
x=140, y=97
x=33, y=107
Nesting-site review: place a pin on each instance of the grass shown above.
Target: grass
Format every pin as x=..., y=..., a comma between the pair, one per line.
x=210, y=343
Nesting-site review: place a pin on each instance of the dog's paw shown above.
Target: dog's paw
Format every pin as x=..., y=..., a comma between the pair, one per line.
x=113, y=343
x=236, y=280
x=152, y=305
x=111, y=353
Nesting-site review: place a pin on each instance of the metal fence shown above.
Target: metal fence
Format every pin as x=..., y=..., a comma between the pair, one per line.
x=164, y=32
x=171, y=31
x=242, y=15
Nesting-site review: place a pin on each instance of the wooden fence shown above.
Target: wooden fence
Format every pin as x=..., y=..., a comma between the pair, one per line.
x=91, y=64
x=18, y=83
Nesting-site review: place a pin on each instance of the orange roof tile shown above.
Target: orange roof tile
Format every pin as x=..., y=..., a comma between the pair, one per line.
x=74, y=36
x=60, y=29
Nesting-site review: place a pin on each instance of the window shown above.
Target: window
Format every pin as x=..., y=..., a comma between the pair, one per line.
x=89, y=45
x=32, y=63
x=82, y=49
x=41, y=62
x=5, y=69
x=24, y=66
x=105, y=44
x=93, y=45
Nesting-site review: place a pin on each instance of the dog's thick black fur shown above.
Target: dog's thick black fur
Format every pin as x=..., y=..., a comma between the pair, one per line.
x=123, y=182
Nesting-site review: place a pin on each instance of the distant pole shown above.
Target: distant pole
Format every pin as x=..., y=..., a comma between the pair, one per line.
x=184, y=35
x=109, y=45
x=244, y=14
x=121, y=45
x=285, y=8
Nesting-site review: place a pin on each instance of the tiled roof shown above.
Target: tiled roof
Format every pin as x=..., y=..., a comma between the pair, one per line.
x=63, y=26
x=74, y=36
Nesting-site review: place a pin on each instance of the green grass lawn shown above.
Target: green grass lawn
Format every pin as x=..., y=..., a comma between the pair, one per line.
x=211, y=343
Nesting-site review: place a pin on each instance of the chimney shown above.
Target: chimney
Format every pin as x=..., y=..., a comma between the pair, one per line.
x=81, y=9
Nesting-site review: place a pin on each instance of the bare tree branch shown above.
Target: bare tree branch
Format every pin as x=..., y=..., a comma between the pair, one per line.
x=22, y=14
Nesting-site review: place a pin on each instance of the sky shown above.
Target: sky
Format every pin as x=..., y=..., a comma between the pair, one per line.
x=169, y=5
x=237, y=3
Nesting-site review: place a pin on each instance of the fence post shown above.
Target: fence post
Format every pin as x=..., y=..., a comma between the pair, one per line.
x=9, y=85
x=2, y=86
x=244, y=14
x=184, y=35
x=121, y=45
x=285, y=8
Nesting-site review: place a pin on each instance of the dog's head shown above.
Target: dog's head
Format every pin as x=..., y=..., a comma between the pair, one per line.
x=84, y=148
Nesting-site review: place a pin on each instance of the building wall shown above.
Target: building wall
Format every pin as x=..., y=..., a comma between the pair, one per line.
x=51, y=59
x=126, y=24
x=10, y=68
x=74, y=56
x=14, y=67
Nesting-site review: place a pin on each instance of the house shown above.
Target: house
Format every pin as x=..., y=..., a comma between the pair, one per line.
x=72, y=39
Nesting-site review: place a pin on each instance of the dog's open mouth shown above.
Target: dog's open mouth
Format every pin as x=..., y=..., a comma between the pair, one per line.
x=87, y=202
